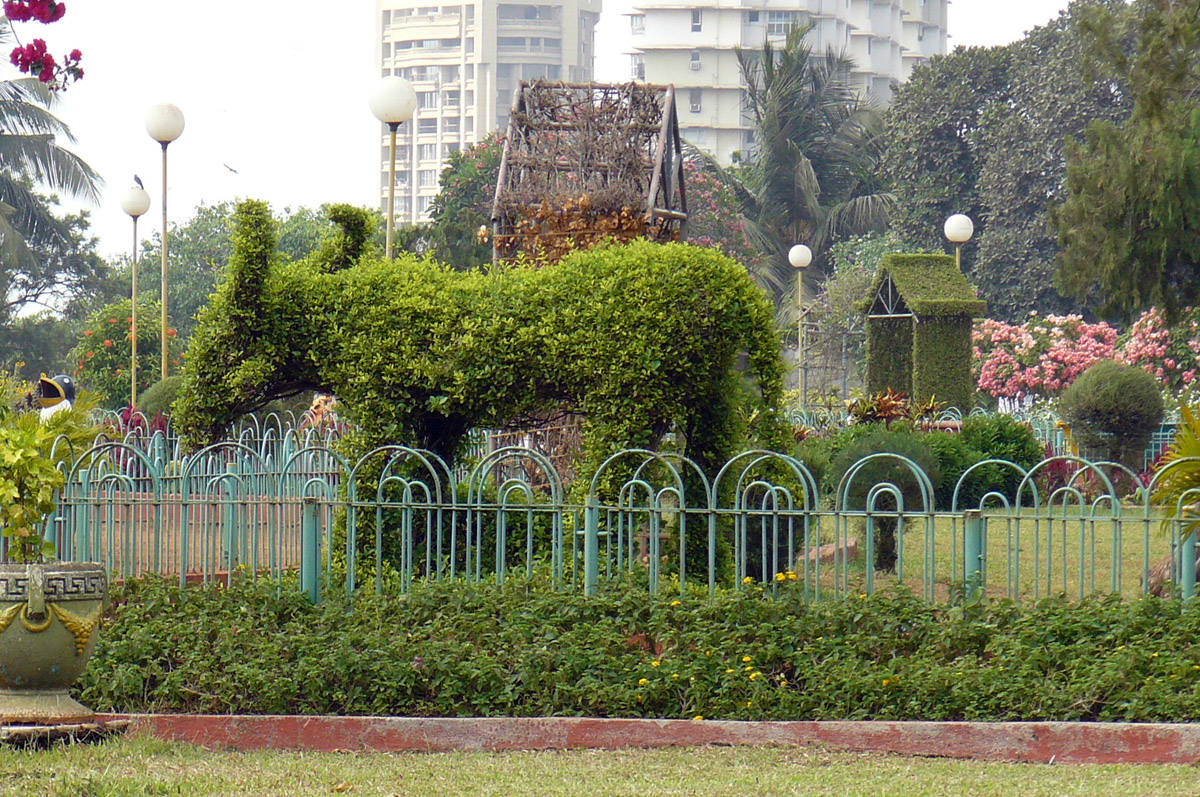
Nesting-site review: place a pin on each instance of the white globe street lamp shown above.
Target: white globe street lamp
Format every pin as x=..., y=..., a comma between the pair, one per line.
x=135, y=202
x=393, y=102
x=164, y=123
x=799, y=256
x=958, y=230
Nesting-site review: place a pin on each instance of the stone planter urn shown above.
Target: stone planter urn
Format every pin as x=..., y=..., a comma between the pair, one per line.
x=49, y=614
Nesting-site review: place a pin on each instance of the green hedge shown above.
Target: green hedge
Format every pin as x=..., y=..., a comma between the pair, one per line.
x=889, y=354
x=941, y=359
x=524, y=650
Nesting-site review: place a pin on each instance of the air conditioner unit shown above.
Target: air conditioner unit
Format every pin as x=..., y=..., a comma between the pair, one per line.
x=695, y=66
x=695, y=107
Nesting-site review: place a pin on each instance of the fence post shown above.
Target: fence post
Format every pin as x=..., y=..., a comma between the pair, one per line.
x=973, y=561
x=591, y=548
x=310, y=551
x=1187, y=566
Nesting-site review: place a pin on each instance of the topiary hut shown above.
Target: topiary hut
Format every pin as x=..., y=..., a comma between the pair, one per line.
x=919, y=316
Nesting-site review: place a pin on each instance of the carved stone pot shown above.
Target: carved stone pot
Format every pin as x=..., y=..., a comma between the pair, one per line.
x=49, y=614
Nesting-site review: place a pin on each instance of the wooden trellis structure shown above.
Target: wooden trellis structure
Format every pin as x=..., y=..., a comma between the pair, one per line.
x=584, y=162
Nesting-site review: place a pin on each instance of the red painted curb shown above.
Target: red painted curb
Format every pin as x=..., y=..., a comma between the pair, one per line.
x=1060, y=742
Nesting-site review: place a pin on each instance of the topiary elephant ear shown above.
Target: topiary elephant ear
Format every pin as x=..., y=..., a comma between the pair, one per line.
x=346, y=246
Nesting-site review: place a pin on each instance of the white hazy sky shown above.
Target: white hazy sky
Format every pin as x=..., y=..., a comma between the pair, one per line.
x=276, y=92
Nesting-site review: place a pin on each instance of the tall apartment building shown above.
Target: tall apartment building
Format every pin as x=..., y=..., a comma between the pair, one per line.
x=691, y=43
x=465, y=61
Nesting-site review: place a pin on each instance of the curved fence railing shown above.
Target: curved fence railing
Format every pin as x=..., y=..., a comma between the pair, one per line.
x=762, y=522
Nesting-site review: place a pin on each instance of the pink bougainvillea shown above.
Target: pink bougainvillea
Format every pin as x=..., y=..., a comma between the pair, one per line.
x=1044, y=355
x=34, y=58
x=1040, y=357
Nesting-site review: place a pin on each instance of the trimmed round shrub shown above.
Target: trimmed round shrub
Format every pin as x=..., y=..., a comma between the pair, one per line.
x=159, y=396
x=1113, y=409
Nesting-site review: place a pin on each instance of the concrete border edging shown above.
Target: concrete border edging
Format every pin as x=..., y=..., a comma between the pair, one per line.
x=1044, y=742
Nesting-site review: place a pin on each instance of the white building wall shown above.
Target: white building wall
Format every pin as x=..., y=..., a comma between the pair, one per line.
x=464, y=61
x=691, y=44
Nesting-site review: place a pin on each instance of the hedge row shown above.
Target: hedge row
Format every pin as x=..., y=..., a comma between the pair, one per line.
x=525, y=650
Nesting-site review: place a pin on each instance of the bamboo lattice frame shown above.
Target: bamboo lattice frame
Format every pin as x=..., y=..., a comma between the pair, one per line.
x=583, y=162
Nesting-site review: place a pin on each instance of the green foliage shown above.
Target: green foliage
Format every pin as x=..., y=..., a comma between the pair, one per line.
x=637, y=337
x=1113, y=409
x=32, y=452
x=889, y=354
x=931, y=285
x=1130, y=225
x=982, y=131
x=942, y=361
x=467, y=187
x=103, y=353
x=1177, y=488
x=160, y=396
x=1002, y=436
x=525, y=650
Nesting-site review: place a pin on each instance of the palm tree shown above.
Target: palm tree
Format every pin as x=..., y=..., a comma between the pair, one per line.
x=30, y=155
x=812, y=175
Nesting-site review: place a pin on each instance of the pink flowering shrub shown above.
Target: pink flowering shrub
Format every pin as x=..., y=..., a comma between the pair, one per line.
x=1170, y=353
x=1041, y=357
x=715, y=219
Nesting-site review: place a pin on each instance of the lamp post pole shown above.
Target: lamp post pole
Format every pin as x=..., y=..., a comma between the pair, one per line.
x=135, y=202
x=393, y=102
x=799, y=256
x=164, y=123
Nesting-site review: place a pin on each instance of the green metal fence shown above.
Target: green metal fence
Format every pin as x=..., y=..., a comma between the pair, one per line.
x=272, y=504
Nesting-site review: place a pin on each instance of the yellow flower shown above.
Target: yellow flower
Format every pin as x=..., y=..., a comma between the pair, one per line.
x=655, y=663
x=639, y=698
x=780, y=577
x=749, y=703
x=754, y=675
x=676, y=603
x=697, y=718
x=674, y=675
x=887, y=681
x=747, y=658
x=727, y=672
x=862, y=596
x=792, y=576
x=749, y=668
x=748, y=580
x=643, y=681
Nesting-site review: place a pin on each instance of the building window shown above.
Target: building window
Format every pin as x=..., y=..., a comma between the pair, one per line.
x=780, y=22
x=470, y=67
x=920, y=38
x=423, y=203
x=425, y=100
x=426, y=126
x=449, y=99
x=470, y=124
x=696, y=135
x=695, y=60
x=637, y=23
x=449, y=74
x=427, y=152
x=450, y=124
x=470, y=96
x=637, y=64
x=402, y=177
x=426, y=178
x=448, y=150
x=752, y=17
x=695, y=96
x=697, y=20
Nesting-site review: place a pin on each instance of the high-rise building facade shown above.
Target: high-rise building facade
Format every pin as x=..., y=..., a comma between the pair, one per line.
x=691, y=44
x=464, y=62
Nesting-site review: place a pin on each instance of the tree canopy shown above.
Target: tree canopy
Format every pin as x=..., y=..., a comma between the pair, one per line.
x=1130, y=224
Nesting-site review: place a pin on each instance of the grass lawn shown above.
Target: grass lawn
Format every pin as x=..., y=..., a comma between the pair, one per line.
x=1026, y=557
x=145, y=766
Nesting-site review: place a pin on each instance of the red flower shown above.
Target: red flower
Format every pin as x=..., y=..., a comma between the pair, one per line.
x=108, y=343
x=87, y=333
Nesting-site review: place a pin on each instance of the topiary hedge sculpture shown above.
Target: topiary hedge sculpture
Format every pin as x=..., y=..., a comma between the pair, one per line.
x=640, y=338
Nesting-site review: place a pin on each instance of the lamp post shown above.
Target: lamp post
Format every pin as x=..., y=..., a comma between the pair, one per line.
x=958, y=229
x=393, y=102
x=134, y=202
x=799, y=256
x=164, y=123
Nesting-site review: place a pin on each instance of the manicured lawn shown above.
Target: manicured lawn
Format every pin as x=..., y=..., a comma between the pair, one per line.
x=143, y=766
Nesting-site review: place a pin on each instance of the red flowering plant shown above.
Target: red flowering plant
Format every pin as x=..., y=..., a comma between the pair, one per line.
x=1171, y=353
x=1040, y=357
x=714, y=219
x=34, y=58
x=101, y=358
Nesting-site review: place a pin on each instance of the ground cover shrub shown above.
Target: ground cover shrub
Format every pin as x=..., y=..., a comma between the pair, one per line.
x=1003, y=437
x=1113, y=409
x=525, y=650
